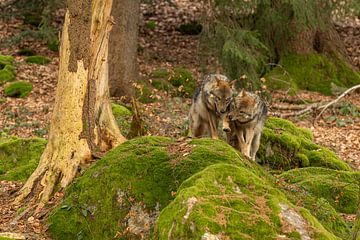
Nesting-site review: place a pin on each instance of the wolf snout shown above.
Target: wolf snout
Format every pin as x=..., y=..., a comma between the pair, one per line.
x=226, y=129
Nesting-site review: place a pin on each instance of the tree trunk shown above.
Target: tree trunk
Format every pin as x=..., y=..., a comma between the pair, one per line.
x=123, y=70
x=82, y=124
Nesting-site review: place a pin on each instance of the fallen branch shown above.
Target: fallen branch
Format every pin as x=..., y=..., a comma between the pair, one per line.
x=336, y=100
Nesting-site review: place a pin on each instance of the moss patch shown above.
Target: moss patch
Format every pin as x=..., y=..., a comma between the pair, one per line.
x=123, y=117
x=285, y=146
x=314, y=72
x=144, y=93
x=339, y=188
x=18, y=89
x=7, y=70
x=41, y=60
x=19, y=157
x=139, y=177
x=230, y=202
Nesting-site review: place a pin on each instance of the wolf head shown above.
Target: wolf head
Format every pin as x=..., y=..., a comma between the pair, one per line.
x=221, y=95
x=246, y=106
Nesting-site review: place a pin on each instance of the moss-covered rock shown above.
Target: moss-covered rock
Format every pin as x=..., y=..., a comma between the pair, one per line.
x=285, y=146
x=230, y=202
x=6, y=60
x=184, y=81
x=123, y=117
x=41, y=60
x=325, y=193
x=7, y=70
x=19, y=157
x=339, y=188
x=314, y=72
x=18, y=89
x=129, y=186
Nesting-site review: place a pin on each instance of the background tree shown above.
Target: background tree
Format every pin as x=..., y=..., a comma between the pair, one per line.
x=251, y=37
x=82, y=124
x=123, y=70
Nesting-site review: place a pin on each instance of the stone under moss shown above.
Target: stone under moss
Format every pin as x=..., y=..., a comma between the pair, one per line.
x=230, y=202
x=285, y=146
x=313, y=72
x=326, y=193
x=18, y=89
x=41, y=60
x=138, y=178
x=124, y=193
x=7, y=70
x=339, y=188
x=19, y=157
x=123, y=117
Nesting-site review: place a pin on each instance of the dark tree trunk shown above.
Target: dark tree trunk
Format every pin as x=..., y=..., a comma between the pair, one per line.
x=123, y=70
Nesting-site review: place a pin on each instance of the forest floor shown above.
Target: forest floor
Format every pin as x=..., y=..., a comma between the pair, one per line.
x=164, y=48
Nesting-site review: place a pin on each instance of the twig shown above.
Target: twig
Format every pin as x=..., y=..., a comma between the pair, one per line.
x=336, y=100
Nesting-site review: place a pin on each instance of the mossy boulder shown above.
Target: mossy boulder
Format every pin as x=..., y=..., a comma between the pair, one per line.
x=313, y=72
x=7, y=70
x=18, y=89
x=125, y=190
x=230, y=202
x=326, y=193
x=19, y=157
x=41, y=60
x=123, y=117
x=184, y=81
x=339, y=188
x=285, y=146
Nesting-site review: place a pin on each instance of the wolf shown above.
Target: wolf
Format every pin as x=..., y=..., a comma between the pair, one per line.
x=244, y=123
x=210, y=103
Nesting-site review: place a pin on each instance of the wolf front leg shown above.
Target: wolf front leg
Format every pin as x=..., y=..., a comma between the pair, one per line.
x=213, y=123
x=255, y=146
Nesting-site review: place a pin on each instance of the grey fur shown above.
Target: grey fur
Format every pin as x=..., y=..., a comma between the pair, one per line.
x=210, y=103
x=245, y=122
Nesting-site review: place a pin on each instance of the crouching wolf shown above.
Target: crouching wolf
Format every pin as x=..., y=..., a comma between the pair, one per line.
x=210, y=103
x=245, y=122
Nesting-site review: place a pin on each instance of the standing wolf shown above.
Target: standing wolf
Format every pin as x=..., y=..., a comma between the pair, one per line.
x=210, y=103
x=245, y=122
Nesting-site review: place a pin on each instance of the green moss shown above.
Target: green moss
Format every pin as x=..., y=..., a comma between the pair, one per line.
x=184, y=81
x=18, y=89
x=38, y=60
x=285, y=146
x=141, y=171
x=313, y=72
x=150, y=25
x=6, y=60
x=231, y=202
x=160, y=73
x=7, y=74
x=339, y=188
x=5, y=238
x=123, y=117
x=19, y=157
x=7, y=71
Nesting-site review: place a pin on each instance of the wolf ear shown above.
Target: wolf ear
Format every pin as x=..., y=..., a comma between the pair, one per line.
x=232, y=83
x=241, y=94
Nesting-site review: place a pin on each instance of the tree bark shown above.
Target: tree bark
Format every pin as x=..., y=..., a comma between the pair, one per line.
x=123, y=70
x=82, y=124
